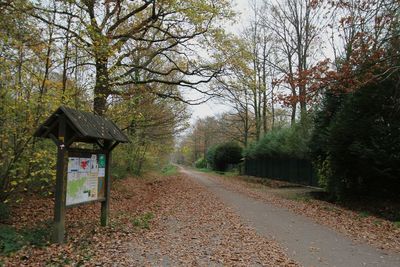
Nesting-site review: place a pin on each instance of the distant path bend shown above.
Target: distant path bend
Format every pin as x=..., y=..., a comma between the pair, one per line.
x=308, y=243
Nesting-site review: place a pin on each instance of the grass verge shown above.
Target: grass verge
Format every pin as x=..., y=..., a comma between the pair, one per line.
x=169, y=170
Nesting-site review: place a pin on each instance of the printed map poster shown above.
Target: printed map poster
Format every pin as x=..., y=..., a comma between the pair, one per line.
x=85, y=178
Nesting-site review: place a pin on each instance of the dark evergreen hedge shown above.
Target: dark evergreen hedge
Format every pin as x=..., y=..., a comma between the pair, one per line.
x=356, y=142
x=224, y=154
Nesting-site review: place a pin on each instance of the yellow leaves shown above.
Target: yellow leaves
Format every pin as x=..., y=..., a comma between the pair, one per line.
x=198, y=11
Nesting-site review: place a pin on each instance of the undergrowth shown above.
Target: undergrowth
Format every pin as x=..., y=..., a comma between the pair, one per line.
x=169, y=170
x=12, y=240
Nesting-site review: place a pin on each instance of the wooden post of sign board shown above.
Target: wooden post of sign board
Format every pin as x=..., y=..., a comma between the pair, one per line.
x=61, y=184
x=105, y=205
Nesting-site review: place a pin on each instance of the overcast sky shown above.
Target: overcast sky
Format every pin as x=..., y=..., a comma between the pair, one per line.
x=211, y=108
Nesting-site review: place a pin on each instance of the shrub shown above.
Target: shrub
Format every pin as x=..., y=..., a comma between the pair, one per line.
x=365, y=141
x=225, y=154
x=210, y=156
x=320, y=140
x=359, y=149
x=285, y=142
x=201, y=163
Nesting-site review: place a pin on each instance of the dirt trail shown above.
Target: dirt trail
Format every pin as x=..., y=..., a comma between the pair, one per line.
x=308, y=243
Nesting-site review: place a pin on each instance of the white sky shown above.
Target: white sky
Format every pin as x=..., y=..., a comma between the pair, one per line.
x=214, y=107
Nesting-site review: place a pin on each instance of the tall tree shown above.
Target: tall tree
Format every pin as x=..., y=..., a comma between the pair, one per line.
x=236, y=84
x=297, y=26
x=139, y=43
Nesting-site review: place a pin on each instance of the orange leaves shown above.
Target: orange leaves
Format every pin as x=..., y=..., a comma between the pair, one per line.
x=311, y=81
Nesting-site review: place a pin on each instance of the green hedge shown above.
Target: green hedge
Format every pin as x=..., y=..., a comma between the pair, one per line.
x=201, y=163
x=357, y=148
x=286, y=142
x=220, y=156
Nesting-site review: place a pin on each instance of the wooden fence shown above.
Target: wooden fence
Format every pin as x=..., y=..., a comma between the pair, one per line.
x=299, y=171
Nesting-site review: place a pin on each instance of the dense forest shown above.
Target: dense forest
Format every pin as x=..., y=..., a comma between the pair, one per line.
x=127, y=60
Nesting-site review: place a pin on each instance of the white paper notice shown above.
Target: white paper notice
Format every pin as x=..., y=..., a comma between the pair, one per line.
x=73, y=164
x=102, y=172
x=92, y=185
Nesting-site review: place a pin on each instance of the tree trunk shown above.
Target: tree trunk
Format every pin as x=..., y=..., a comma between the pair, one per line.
x=293, y=116
x=246, y=120
x=101, y=89
x=264, y=89
x=272, y=108
x=257, y=118
x=246, y=129
x=65, y=61
x=303, y=104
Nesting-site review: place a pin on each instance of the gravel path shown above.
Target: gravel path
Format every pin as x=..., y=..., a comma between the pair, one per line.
x=308, y=243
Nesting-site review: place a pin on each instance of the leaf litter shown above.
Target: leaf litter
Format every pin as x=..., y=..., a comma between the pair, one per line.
x=160, y=220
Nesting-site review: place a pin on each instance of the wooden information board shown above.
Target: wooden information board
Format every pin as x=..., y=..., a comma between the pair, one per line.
x=83, y=175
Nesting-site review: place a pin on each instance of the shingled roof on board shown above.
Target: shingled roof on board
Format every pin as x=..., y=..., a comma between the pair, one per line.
x=85, y=124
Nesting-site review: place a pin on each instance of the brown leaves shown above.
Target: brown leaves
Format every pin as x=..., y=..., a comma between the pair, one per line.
x=190, y=227
x=204, y=232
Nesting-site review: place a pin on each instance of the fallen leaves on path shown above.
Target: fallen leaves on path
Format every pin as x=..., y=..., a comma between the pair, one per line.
x=195, y=228
x=188, y=226
x=376, y=231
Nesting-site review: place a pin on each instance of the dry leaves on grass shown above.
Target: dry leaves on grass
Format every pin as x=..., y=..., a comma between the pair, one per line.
x=376, y=231
x=187, y=226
